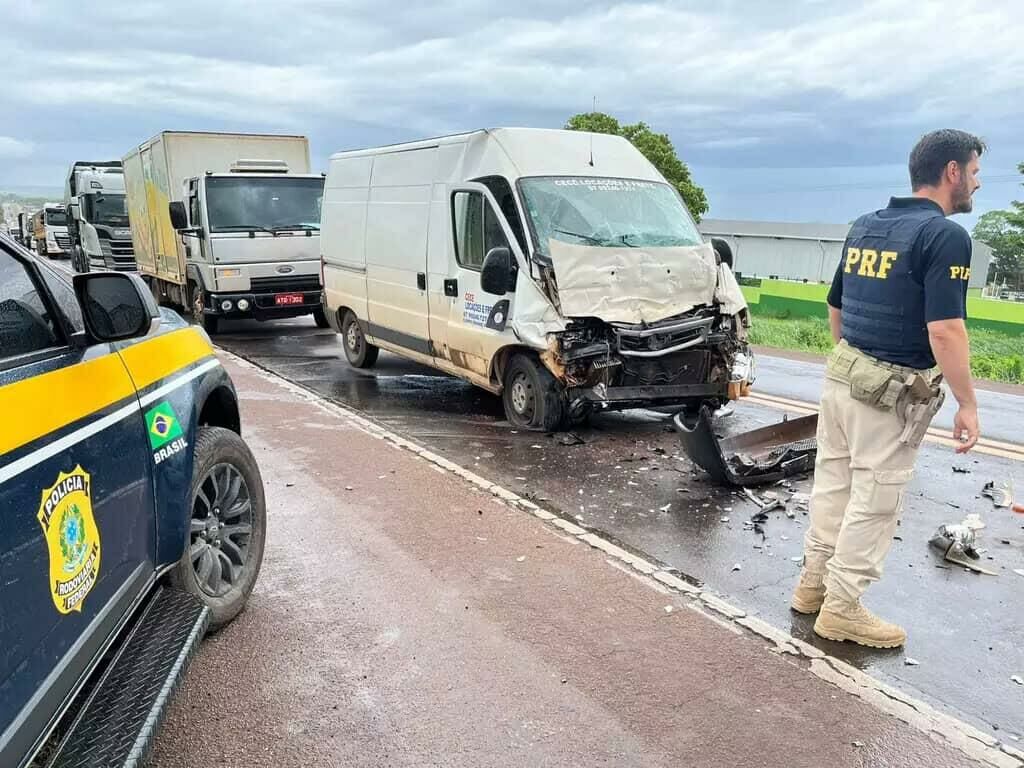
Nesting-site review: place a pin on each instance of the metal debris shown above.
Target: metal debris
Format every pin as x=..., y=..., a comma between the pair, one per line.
x=961, y=470
x=1001, y=495
x=958, y=543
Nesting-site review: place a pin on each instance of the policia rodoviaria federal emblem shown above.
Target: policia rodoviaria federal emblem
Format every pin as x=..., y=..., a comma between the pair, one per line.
x=65, y=513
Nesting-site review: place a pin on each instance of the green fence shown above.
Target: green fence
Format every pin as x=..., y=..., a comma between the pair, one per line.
x=781, y=299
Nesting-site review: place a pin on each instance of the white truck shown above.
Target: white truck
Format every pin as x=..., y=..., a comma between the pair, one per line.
x=556, y=268
x=227, y=225
x=50, y=231
x=98, y=221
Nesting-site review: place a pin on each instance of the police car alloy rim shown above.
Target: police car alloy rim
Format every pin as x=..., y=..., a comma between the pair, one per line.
x=221, y=530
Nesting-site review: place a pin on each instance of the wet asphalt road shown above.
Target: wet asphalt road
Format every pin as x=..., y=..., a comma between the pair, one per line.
x=628, y=481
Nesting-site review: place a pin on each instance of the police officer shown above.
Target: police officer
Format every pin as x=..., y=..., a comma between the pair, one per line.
x=896, y=308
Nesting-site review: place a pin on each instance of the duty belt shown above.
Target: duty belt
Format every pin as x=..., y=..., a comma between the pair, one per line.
x=915, y=395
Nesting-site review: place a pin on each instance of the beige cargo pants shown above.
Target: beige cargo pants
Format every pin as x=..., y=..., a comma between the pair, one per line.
x=860, y=475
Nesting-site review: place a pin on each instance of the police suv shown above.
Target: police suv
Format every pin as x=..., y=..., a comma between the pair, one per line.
x=132, y=515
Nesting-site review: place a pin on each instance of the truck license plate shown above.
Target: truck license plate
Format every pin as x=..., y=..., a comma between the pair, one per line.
x=288, y=298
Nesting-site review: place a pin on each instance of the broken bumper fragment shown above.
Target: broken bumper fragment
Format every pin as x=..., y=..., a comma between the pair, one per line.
x=760, y=456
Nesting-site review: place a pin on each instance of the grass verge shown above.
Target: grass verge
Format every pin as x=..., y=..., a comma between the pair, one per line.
x=994, y=356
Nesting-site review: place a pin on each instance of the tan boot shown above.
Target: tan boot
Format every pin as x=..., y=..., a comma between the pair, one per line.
x=852, y=621
x=809, y=593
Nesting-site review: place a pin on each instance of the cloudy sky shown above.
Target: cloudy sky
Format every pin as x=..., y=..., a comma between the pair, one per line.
x=799, y=111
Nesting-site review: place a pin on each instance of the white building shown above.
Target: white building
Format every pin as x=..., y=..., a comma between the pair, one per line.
x=804, y=252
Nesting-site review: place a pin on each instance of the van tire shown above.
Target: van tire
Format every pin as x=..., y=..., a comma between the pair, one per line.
x=216, y=449
x=533, y=399
x=358, y=351
x=320, y=318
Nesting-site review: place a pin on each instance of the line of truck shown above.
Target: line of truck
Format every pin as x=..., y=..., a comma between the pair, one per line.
x=557, y=269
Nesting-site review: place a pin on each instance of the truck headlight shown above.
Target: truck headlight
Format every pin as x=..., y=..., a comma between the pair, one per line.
x=226, y=305
x=243, y=305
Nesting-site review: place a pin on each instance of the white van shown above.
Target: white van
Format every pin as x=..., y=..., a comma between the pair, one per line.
x=556, y=268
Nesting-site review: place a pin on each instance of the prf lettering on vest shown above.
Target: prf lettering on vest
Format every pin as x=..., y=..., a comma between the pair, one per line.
x=959, y=273
x=866, y=260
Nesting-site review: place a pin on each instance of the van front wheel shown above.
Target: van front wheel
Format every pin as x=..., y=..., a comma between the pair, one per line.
x=359, y=352
x=533, y=399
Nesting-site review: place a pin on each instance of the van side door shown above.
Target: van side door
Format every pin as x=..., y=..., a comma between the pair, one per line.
x=479, y=323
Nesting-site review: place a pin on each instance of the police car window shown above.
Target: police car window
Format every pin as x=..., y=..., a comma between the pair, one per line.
x=63, y=296
x=25, y=324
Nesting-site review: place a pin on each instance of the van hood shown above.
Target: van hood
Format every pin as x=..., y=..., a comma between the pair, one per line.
x=633, y=285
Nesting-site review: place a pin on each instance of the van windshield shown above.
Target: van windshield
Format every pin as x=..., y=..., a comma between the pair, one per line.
x=606, y=212
x=236, y=204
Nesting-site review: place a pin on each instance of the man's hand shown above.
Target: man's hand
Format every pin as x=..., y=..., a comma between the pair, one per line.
x=965, y=428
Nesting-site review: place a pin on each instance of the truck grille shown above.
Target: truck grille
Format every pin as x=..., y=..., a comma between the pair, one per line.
x=118, y=254
x=289, y=284
x=63, y=242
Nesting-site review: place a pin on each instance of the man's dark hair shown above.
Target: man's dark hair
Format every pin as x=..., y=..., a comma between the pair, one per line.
x=933, y=152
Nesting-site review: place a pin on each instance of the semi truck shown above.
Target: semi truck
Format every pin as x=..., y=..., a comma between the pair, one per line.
x=227, y=225
x=98, y=217
x=50, y=231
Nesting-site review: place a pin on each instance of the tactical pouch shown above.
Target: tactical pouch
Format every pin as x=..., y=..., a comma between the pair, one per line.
x=874, y=385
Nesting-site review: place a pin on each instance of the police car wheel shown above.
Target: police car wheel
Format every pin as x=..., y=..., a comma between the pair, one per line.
x=358, y=351
x=227, y=526
x=532, y=398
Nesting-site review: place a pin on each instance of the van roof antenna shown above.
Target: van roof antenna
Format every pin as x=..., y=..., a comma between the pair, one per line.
x=594, y=111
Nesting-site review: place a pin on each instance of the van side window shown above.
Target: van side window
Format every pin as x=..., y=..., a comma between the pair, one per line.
x=502, y=191
x=477, y=229
x=25, y=324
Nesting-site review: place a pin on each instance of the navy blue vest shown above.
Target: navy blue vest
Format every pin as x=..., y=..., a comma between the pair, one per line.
x=883, y=291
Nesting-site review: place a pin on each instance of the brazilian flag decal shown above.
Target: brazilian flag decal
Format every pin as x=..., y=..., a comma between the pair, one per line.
x=162, y=425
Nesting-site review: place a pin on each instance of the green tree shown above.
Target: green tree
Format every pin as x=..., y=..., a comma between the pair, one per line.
x=1003, y=232
x=656, y=147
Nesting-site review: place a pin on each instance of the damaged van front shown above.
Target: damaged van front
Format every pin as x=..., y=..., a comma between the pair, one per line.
x=653, y=316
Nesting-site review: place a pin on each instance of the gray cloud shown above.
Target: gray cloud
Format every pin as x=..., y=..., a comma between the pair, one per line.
x=743, y=85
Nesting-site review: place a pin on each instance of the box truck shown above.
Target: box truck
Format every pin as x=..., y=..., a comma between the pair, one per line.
x=50, y=231
x=227, y=225
x=98, y=217
x=556, y=268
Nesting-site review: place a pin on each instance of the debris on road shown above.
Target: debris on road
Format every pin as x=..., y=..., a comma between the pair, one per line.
x=1018, y=679
x=349, y=488
x=1019, y=571
x=961, y=470
x=958, y=543
x=737, y=567
x=1001, y=495
x=569, y=439
x=761, y=456
x=911, y=662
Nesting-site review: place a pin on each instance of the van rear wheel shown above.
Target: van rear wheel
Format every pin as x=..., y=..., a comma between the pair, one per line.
x=359, y=352
x=533, y=399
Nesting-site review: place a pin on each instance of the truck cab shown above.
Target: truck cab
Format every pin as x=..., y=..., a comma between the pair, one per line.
x=252, y=242
x=98, y=223
x=50, y=231
x=133, y=512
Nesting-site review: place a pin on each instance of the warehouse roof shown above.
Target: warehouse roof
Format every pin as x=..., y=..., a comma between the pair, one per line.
x=811, y=230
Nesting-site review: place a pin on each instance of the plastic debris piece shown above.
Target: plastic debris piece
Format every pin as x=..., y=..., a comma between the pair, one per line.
x=349, y=488
x=666, y=508
x=669, y=609
x=724, y=520
x=1019, y=571
x=521, y=559
x=858, y=744
x=797, y=559
x=961, y=470
x=911, y=662
x=1018, y=679
x=569, y=439
x=737, y=567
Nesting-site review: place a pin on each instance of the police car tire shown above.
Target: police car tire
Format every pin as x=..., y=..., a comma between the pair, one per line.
x=216, y=445
x=549, y=409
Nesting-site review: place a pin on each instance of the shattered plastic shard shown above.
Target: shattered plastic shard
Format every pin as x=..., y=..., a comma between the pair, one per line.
x=737, y=567
x=911, y=662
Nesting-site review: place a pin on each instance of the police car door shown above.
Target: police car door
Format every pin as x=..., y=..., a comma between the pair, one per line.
x=77, y=526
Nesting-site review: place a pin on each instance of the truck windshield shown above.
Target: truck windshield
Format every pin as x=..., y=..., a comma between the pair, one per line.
x=605, y=212
x=107, y=208
x=56, y=218
x=234, y=204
